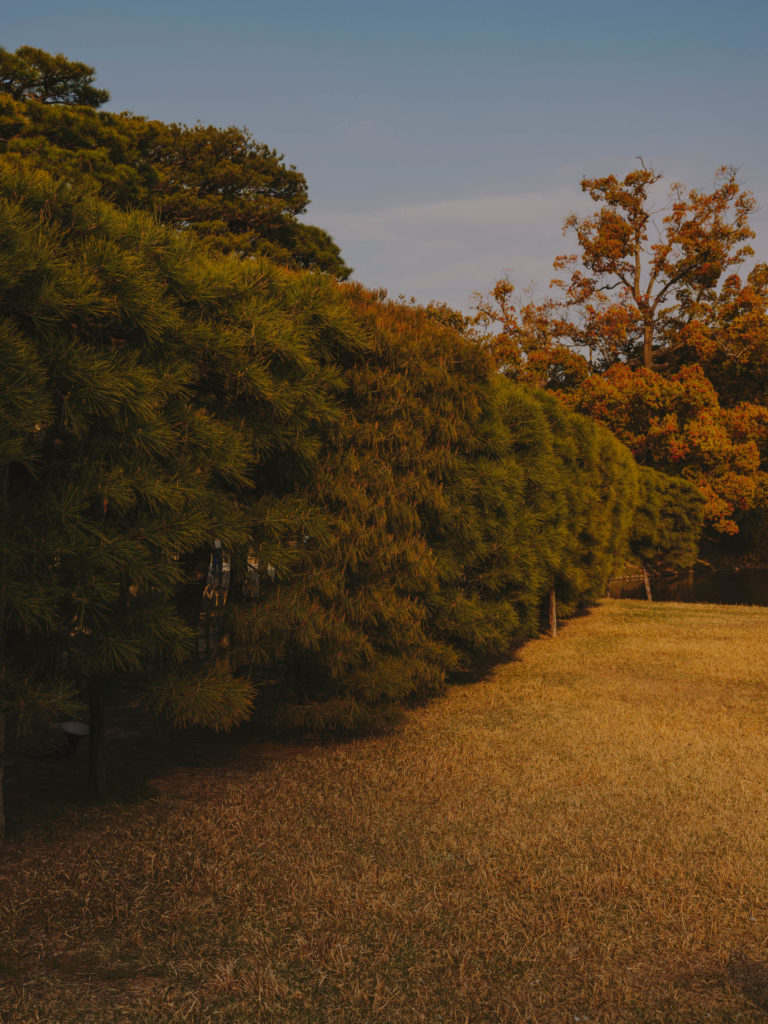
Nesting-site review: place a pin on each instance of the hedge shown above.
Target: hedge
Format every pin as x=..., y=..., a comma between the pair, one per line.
x=389, y=505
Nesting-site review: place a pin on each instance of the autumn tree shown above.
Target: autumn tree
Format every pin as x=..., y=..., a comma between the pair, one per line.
x=638, y=271
x=642, y=274
x=525, y=339
x=727, y=335
x=676, y=424
x=651, y=331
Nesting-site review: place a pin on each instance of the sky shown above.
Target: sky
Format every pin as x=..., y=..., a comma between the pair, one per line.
x=443, y=142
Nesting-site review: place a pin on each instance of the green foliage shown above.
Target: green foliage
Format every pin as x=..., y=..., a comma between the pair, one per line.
x=112, y=467
x=389, y=505
x=217, y=182
x=236, y=192
x=343, y=617
x=445, y=502
x=668, y=521
x=30, y=73
x=598, y=482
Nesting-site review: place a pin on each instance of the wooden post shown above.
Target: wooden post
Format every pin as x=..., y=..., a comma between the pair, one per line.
x=647, y=582
x=97, y=775
x=552, y=613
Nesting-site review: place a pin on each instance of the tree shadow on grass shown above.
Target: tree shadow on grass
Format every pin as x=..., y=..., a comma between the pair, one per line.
x=45, y=785
x=479, y=666
x=740, y=976
x=748, y=977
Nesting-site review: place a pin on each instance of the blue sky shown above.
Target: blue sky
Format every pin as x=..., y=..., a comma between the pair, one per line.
x=443, y=142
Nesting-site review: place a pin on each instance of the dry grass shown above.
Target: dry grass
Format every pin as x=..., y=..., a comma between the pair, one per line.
x=583, y=836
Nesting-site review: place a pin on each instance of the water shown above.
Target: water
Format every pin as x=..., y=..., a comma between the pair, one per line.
x=747, y=586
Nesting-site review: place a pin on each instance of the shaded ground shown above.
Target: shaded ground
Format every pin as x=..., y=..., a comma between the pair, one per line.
x=580, y=837
x=46, y=785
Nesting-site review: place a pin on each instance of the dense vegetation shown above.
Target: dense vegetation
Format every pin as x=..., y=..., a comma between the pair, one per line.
x=654, y=329
x=218, y=182
x=386, y=504
x=234, y=486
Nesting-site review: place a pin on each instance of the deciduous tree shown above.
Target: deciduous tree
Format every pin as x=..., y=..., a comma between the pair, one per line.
x=649, y=330
x=637, y=270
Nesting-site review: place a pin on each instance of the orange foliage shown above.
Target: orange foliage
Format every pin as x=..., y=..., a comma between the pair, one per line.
x=650, y=330
x=676, y=424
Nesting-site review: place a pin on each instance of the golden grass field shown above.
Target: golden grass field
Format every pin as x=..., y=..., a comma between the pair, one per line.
x=580, y=837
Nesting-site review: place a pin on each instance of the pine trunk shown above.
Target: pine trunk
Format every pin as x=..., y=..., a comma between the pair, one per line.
x=97, y=774
x=238, y=574
x=647, y=581
x=552, y=613
x=2, y=777
x=2, y=668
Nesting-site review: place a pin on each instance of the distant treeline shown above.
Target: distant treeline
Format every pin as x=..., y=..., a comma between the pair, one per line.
x=387, y=504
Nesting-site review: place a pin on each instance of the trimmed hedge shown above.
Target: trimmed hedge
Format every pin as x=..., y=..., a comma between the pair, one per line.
x=454, y=501
x=667, y=523
x=405, y=506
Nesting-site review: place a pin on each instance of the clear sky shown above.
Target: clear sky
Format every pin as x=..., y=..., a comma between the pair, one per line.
x=443, y=142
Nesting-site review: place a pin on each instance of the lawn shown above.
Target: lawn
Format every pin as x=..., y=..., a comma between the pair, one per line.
x=582, y=836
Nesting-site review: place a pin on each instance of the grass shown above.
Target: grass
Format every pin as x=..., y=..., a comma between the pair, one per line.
x=580, y=837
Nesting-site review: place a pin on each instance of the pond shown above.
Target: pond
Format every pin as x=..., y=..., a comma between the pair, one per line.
x=745, y=586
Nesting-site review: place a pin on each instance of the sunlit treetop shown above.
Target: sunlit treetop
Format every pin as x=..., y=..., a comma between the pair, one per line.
x=30, y=73
x=634, y=259
x=221, y=183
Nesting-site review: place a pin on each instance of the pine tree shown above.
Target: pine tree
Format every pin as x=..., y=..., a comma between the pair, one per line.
x=123, y=471
x=667, y=521
x=31, y=73
x=389, y=506
x=219, y=183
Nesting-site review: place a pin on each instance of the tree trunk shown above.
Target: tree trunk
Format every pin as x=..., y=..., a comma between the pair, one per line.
x=290, y=670
x=648, y=345
x=552, y=613
x=238, y=574
x=4, y=491
x=97, y=774
x=2, y=777
x=647, y=581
